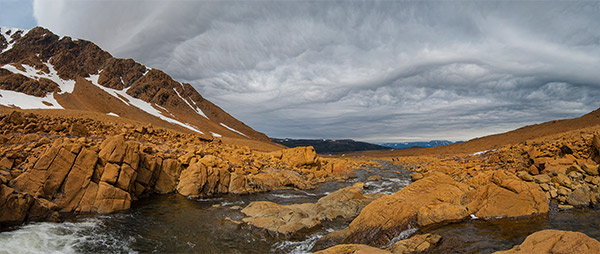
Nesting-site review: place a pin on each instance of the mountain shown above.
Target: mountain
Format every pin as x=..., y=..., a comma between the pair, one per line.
x=329, y=145
x=404, y=145
x=40, y=70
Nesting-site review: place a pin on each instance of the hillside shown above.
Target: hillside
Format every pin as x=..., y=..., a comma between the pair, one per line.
x=498, y=140
x=329, y=145
x=42, y=71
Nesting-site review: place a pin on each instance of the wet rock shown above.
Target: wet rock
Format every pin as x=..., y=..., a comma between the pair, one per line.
x=13, y=205
x=415, y=244
x=556, y=241
x=383, y=219
x=352, y=248
x=440, y=213
x=374, y=178
x=289, y=219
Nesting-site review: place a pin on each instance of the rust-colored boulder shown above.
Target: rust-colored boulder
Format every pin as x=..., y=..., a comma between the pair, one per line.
x=78, y=129
x=299, y=156
x=113, y=149
x=288, y=219
x=111, y=199
x=78, y=180
x=505, y=195
x=13, y=205
x=383, y=219
x=352, y=248
x=440, y=213
x=192, y=180
x=415, y=244
x=556, y=241
x=168, y=176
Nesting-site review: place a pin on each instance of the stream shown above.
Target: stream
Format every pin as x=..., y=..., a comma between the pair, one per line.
x=175, y=224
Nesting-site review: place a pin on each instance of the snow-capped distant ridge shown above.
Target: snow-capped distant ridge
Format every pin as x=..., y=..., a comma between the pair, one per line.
x=424, y=144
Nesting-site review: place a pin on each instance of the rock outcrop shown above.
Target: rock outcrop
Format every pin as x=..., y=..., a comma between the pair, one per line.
x=415, y=244
x=385, y=218
x=436, y=199
x=289, y=219
x=556, y=241
x=44, y=173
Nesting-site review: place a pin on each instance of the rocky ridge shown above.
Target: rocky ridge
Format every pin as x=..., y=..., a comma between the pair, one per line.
x=82, y=166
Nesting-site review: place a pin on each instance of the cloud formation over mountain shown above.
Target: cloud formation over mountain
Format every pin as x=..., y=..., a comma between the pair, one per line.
x=376, y=70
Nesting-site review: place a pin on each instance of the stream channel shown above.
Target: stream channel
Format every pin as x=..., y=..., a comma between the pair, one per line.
x=174, y=224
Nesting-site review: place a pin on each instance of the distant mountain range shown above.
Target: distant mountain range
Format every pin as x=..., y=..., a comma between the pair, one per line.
x=329, y=145
x=432, y=143
x=349, y=145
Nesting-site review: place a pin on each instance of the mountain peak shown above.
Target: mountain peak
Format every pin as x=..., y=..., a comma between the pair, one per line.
x=39, y=69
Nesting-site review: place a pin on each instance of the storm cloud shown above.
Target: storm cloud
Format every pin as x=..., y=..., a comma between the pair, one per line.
x=373, y=71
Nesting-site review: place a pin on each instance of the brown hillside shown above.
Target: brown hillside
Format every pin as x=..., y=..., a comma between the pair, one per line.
x=498, y=140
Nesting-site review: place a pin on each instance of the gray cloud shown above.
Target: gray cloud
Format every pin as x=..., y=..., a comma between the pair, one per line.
x=376, y=71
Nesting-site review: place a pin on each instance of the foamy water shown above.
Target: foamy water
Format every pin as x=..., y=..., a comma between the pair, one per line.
x=67, y=237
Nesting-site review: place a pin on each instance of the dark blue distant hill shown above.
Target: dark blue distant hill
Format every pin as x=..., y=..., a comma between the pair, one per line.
x=330, y=145
x=424, y=144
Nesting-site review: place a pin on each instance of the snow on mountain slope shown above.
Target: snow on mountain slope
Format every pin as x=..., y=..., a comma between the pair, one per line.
x=39, y=69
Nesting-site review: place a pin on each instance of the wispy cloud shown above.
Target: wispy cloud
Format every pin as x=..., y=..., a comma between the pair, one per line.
x=376, y=70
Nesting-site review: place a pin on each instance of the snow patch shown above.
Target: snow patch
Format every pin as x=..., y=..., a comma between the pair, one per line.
x=234, y=130
x=112, y=114
x=216, y=134
x=66, y=86
x=484, y=152
x=25, y=101
x=7, y=32
x=196, y=109
x=144, y=106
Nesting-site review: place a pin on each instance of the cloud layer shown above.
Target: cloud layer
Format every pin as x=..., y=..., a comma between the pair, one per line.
x=375, y=71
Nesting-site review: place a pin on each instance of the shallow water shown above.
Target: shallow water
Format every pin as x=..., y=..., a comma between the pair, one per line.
x=487, y=236
x=174, y=224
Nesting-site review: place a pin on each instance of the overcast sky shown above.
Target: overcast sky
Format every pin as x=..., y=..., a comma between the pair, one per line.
x=372, y=71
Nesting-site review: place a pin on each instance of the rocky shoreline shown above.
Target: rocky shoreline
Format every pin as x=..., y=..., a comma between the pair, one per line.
x=73, y=165
x=56, y=166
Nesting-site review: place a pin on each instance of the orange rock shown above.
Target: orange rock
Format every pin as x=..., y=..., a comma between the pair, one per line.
x=507, y=196
x=415, y=244
x=556, y=241
x=111, y=199
x=352, y=248
x=440, y=213
x=383, y=219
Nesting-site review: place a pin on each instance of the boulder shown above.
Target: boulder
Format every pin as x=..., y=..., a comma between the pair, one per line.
x=192, y=180
x=440, y=213
x=302, y=156
x=556, y=241
x=505, y=195
x=289, y=219
x=579, y=197
x=13, y=205
x=385, y=218
x=415, y=244
x=352, y=248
